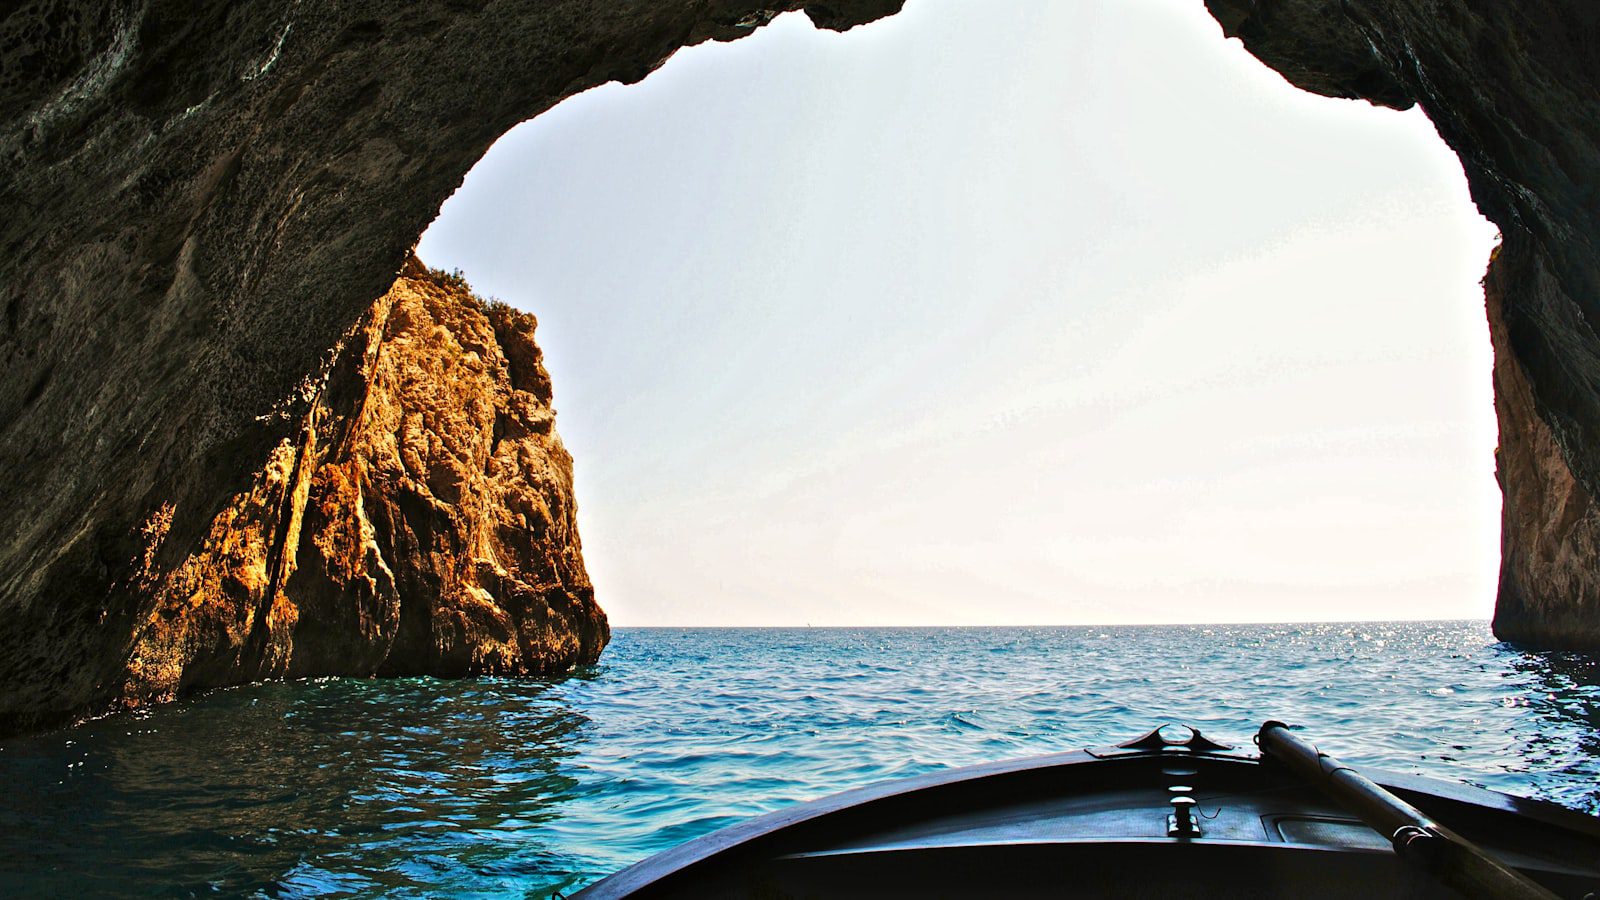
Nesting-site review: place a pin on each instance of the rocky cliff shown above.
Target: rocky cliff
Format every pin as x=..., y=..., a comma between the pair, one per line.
x=1514, y=89
x=1549, y=524
x=201, y=199
x=419, y=519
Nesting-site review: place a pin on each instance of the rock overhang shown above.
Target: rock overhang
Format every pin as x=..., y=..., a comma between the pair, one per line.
x=206, y=203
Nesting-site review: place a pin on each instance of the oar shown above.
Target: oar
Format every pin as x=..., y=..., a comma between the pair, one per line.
x=1450, y=858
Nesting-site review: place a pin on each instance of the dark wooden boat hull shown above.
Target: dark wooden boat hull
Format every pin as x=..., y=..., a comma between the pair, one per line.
x=1096, y=823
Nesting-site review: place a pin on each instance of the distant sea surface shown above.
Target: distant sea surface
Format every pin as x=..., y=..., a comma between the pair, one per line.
x=502, y=787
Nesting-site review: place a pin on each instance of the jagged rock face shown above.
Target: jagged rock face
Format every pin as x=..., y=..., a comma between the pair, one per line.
x=1514, y=89
x=1550, y=526
x=420, y=520
x=200, y=199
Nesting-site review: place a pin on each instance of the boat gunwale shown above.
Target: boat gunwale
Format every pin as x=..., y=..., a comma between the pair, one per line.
x=668, y=864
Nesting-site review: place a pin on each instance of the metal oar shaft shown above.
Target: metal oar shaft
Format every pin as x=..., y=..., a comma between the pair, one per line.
x=1451, y=859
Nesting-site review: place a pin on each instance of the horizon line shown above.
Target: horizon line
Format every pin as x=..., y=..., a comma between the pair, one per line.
x=1061, y=625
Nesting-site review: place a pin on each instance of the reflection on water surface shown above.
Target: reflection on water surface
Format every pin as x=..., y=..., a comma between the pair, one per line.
x=516, y=788
x=300, y=788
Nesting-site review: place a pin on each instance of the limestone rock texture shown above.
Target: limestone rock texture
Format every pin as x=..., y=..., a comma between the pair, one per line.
x=1550, y=525
x=200, y=200
x=420, y=520
x=1514, y=90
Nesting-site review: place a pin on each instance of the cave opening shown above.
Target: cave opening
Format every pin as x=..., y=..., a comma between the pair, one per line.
x=1036, y=313
x=1074, y=315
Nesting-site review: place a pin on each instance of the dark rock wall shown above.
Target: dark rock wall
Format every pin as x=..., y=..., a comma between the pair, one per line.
x=1550, y=525
x=201, y=199
x=1514, y=89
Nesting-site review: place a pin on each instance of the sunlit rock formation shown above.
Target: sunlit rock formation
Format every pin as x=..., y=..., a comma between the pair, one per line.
x=1514, y=89
x=200, y=200
x=419, y=519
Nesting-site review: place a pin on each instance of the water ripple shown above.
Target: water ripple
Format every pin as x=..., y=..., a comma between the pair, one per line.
x=497, y=787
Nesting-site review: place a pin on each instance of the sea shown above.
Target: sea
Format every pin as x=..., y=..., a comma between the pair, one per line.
x=500, y=787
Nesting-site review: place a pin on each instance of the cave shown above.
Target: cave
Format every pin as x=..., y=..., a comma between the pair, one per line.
x=205, y=202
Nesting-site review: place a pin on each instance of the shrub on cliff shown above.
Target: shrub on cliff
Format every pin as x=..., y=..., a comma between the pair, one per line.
x=456, y=280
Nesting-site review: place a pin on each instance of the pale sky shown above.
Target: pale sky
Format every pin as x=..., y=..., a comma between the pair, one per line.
x=1001, y=313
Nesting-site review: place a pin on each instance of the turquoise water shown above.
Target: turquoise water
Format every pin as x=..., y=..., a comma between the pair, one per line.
x=497, y=787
